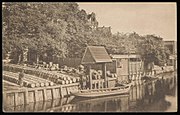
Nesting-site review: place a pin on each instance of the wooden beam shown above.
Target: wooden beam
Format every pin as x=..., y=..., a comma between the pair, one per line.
x=104, y=74
x=53, y=93
x=90, y=76
x=4, y=98
x=99, y=84
x=45, y=94
x=61, y=92
x=35, y=95
x=26, y=100
x=16, y=99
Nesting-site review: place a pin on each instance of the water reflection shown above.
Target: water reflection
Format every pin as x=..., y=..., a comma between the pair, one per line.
x=158, y=95
x=47, y=106
x=103, y=104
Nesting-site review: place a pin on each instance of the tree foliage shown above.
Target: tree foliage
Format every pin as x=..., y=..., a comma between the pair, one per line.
x=63, y=30
x=153, y=50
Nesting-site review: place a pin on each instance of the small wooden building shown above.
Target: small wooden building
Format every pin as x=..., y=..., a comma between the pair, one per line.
x=128, y=67
x=97, y=55
x=172, y=46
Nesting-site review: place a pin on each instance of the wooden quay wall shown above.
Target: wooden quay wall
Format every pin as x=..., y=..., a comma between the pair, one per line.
x=28, y=95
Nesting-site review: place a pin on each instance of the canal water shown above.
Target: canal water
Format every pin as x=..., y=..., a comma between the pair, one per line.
x=154, y=96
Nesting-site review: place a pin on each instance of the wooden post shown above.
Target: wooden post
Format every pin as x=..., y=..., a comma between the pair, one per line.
x=19, y=58
x=61, y=92
x=26, y=97
x=174, y=64
x=35, y=95
x=140, y=69
x=44, y=105
x=16, y=99
x=131, y=66
x=137, y=76
x=25, y=55
x=105, y=106
x=104, y=74
x=4, y=98
x=53, y=103
x=53, y=93
x=128, y=68
x=95, y=85
x=90, y=76
x=99, y=83
x=45, y=96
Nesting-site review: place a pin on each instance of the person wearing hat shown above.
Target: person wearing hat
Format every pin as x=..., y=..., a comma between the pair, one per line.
x=21, y=77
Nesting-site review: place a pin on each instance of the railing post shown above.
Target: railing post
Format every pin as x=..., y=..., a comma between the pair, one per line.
x=15, y=98
x=35, y=95
x=26, y=97
x=61, y=92
x=45, y=94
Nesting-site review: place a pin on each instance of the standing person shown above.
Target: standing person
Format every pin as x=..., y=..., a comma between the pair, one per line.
x=82, y=75
x=21, y=77
x=87, y=82
x=83, y=82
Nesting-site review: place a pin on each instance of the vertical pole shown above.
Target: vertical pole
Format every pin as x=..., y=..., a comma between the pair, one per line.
x=99, y=83
x=137, y=76
x=141, y=66
x=26, y=97
x=95, y=84
x=128, y=68
x=105, y=106
x=36, y=97
x=132, y=70
x=90, y=76
x=4, y=98
x=45, y=94
x=174, y=64
x=16, y=99
x=53, y=93
x=25, y=55
x=104, y=74
x=61, y=92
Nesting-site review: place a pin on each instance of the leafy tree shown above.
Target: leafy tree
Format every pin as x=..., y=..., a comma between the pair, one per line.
x=152, y=50
x=63, y=30
x=45, y=28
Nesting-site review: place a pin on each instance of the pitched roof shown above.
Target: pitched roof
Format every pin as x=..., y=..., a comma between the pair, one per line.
x=95, y=54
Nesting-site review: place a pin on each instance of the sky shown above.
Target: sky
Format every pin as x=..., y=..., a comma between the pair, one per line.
x=159, y=19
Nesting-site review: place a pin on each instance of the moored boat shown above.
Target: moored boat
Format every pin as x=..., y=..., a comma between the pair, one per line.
x=103, y=92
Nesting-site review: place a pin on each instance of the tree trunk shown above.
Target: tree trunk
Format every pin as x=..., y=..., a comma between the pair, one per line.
x=19, y=58
x=37, y=59
x=25, y=55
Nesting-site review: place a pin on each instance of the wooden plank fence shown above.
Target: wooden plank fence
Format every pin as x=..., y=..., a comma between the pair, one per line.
x=28, y=95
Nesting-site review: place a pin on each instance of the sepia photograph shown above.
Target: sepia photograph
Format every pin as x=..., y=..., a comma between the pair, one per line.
x=89, y=57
